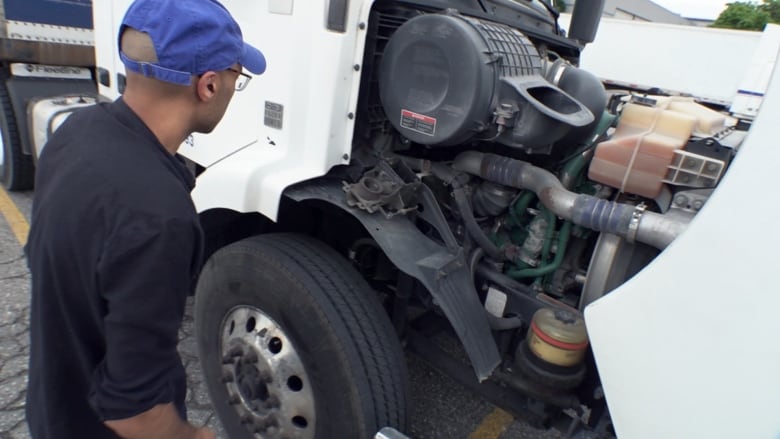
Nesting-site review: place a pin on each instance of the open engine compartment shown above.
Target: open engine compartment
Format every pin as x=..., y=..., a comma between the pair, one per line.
x=556, y=189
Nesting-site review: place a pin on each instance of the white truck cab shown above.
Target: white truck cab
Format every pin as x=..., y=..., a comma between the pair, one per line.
x=585, y=216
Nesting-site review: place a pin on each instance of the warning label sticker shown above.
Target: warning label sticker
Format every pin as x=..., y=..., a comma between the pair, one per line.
x=274, y=115
x=418, y=123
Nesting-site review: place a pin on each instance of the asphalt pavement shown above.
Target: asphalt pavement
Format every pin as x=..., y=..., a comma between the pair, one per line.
x=441, y=408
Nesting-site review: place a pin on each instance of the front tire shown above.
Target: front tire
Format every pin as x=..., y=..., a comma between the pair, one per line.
x=16, y=168
x=294, y=343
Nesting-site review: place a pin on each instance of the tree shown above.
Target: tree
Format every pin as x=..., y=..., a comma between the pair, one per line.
x=747, y=16
x=560, y=5
x=772, y=8
x=742, y=15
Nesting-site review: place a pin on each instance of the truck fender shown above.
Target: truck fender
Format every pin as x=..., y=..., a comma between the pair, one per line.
x=443, y=270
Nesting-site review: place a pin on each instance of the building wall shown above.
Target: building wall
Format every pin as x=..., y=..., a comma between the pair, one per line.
x=641, y=10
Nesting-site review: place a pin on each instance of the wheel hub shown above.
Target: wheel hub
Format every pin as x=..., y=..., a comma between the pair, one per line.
x=264, y=376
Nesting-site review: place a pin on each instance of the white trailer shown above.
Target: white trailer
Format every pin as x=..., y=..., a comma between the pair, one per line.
x=720, y=66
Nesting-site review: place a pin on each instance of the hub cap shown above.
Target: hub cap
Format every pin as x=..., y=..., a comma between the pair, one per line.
x=264, y=376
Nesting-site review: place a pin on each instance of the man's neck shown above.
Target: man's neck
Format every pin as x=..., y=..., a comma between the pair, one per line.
x=164, y=119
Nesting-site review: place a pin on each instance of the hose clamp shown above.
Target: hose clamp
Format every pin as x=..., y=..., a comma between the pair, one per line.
x=633, y=225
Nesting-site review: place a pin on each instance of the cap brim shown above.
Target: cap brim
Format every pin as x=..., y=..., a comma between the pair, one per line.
x=253, y=60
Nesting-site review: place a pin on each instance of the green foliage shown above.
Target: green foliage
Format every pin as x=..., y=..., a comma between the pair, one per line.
x=560, y=5
x=748, y=15
x=772, y=8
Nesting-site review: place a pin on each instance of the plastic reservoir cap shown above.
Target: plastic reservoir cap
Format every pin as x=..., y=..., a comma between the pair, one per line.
x=558, y=337
x=562, y=325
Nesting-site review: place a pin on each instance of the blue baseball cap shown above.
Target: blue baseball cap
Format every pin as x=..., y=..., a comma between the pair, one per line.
x=191, y=37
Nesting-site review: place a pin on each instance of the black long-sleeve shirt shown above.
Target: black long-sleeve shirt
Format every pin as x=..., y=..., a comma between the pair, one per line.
x=114, y=249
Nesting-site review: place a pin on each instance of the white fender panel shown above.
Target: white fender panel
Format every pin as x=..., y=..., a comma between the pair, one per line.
x=233, y=185
x=689, y=347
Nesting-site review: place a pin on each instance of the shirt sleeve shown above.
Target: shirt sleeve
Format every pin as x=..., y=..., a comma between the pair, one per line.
x=144, y=276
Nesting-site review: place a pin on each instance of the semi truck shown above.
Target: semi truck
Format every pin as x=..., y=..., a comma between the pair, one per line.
x=576, y=203
x=46, y=50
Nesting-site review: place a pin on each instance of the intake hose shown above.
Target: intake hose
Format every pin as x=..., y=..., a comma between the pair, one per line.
x=467, y=215
x=462, y=202
x=625, y=220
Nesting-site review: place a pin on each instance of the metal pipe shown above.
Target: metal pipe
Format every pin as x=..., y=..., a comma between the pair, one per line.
x=563, y=240
x=625, y=220
x=549, y=216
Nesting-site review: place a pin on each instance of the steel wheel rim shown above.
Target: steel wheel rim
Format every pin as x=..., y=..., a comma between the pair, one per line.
x=266, y=382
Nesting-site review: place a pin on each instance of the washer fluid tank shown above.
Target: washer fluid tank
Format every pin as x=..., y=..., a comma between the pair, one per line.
x=446, y=79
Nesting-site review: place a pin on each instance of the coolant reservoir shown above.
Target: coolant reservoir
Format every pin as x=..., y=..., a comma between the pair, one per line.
x=558, y=337
x=636, y=158
x=708, y=122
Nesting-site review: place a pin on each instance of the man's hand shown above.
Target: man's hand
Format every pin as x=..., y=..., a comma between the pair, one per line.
x=205, y=433
x=159, y=422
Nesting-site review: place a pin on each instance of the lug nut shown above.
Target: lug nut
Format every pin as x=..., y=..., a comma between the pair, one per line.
x=234, y=352
x=234, y=400
x=272, y=402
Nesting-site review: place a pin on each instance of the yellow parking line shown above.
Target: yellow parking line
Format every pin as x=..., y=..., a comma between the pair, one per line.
x=493, y=425
x=15, y=219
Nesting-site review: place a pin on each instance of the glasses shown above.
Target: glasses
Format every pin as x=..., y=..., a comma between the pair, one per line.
x=243, y=79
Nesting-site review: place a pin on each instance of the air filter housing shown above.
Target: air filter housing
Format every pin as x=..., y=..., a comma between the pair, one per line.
x=446, y=79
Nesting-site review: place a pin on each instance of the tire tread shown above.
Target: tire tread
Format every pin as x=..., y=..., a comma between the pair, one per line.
x=370, y=332
x=22, y=176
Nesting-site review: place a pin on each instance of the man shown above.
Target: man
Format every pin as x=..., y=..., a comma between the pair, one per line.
x=115, y=244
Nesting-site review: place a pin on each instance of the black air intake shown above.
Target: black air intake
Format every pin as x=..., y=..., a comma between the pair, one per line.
x=446, y=79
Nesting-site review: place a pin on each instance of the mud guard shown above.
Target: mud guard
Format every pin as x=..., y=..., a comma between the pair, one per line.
x=443, y=270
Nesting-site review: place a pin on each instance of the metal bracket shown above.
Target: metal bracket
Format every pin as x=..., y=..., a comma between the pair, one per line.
x=382, y=190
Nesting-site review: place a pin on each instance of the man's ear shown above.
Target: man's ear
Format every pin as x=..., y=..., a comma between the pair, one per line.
x=207, y=86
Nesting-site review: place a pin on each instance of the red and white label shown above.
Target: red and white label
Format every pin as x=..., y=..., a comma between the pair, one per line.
x=418, y=123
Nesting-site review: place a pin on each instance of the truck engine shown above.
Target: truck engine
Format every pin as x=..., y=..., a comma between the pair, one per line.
x=556, y=189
